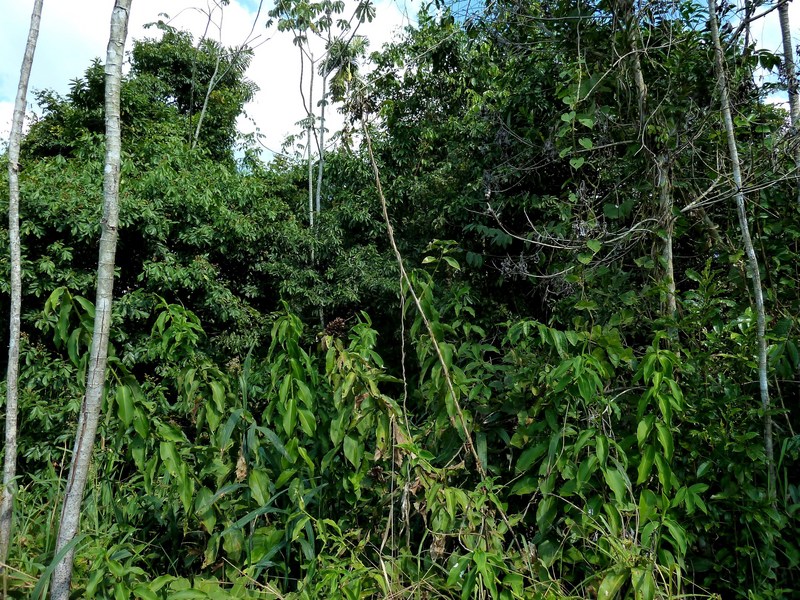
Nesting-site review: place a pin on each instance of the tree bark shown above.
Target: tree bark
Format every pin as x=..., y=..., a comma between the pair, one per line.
x=791, y=80
x=666, y=204
x=661, y=162
x=321, y=165
x=96, y=375
x=12, y=373
x=752, y=259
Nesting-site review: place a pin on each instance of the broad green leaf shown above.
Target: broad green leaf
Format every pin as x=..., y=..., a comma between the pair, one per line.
x=169, y=454
x=616, y=481
x=644, y=428
x=601, y=446
x=611, y=584
x=665, y=438
x=646, y=463
x=307, y=421
x=644, y=586
x=353, y=450
x=276, y=442
x=125, y=405
x=290, y=415
x=258, y=481
x=529, y=456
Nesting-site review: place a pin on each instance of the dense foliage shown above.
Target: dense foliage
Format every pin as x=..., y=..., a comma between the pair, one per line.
x=523, y=417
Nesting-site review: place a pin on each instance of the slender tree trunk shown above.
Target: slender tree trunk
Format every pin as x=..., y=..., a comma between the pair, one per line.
x=665, y=204
x=661, y=162
x=96, y=375
x=12, y=375
x=211, y=84
x=321, y=165
x=791, y=80
x=752, y=259
x=310, y=116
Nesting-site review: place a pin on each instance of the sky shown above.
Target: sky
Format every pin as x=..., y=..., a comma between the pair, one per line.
x=74, y=32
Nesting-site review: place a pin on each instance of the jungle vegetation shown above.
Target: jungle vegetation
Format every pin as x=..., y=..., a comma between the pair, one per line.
x=514, y=352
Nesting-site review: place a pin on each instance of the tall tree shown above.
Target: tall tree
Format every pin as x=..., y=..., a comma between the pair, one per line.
x=324, y=19
x=12, y=376
x=791, y=77
x=744, y=227
x=96, y=375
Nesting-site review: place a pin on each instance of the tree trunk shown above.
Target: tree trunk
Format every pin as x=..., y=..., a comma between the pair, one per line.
x=310, y=116
x=665, y=204
x=96, y=375
x=321, y=165
x=12, y=374
x=661, y=162
x=791, y=80
x=752, y=260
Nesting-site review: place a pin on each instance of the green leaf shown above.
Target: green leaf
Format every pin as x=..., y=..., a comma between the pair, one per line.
x=616, y=481
x=611, y=585
x=577, y=162
x=169, y=454
x=353, y=450
x=125, y=405
x=644, y=586
x=276, y=442
x=218, y=395
x=307, y=421
x=678, y=535
x=186, y=490
x=170, y=433
x=646, y=463
x=601, y=447
x=525, y=486
x=664, y=472
x=144, y=592
x=594, y=245
x=290, y=415
x=665, y=438
x=529, y=456
x=258, y=481
x=644, y=428
x=545, y=513
x=586, y=143
x=452, y=262
x=204, y=510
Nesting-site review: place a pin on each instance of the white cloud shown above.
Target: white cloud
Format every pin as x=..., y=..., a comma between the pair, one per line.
x=73, y=33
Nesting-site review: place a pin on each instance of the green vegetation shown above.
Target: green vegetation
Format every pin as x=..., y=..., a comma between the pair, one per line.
x=283, y=420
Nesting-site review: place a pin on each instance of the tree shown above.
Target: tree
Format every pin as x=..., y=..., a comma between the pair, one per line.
x=96, y=372
x=338, y=35
x=752, y=259
x=791, y=78
x=12, y=375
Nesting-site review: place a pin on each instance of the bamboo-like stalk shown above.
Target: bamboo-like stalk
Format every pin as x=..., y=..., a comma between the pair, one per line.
x=96, y=372
x=12, y=374
x=752, y=259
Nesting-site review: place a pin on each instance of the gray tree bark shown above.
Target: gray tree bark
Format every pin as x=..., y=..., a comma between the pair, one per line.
x=95, y=380
x=791, y=80
x=752, y=260
x=12, y=373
